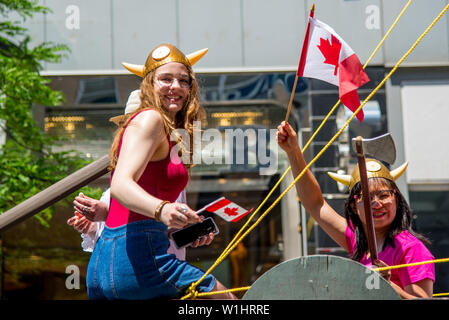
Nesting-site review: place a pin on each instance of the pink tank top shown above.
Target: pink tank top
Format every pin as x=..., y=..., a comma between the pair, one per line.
x=163, y=179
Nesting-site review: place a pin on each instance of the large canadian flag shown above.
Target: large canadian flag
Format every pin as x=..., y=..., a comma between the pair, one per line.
x=227, y=209
x=327, y=57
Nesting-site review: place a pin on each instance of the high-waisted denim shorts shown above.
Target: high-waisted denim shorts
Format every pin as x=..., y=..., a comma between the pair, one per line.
x=131, y=262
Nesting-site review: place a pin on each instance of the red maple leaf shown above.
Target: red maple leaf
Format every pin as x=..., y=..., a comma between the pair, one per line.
x=331, y=52
x=231, y=211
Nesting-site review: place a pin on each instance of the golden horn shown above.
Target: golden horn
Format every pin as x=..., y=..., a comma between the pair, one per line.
x=396, y=173
x=134, y=68
x=195, y=56
x=342, y=178
x=117, y=119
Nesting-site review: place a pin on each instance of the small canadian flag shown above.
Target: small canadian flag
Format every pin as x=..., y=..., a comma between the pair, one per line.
x=226, y=209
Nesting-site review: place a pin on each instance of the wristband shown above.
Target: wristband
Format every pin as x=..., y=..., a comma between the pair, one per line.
x=157, y=213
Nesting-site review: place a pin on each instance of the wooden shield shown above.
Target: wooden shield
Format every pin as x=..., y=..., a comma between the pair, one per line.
x=321, y=277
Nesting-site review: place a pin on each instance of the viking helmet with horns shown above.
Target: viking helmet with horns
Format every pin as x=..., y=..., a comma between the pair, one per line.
x=164, y=54
x=159, y=56
x=374, y=169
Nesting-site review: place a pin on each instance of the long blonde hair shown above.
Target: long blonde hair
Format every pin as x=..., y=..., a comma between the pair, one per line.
x=191, y=111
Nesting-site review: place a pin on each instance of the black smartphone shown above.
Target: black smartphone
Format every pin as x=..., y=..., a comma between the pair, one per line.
x=185, y=237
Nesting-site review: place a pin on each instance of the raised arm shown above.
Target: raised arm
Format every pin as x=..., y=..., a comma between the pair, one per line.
x=308, y=188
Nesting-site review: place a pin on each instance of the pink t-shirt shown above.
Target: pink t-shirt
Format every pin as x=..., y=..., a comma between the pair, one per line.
x=407, y=249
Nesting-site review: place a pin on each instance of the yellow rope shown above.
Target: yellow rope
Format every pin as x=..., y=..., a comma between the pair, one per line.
x=211, y=293
x=415, y=264
x=226, y=251
x=321, y=125
x=388, y=32
x=310, y=224
x=364, y=67
x=203, y=294
x=440, y=294
x=191, y=291
x=410, y=264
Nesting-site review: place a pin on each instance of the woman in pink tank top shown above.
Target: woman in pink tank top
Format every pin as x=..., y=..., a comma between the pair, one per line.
x=130, y=259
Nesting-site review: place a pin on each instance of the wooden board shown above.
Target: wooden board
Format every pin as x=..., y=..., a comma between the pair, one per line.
x=321, y=277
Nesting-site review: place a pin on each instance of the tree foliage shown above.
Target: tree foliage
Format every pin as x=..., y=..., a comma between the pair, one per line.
x=27, y=163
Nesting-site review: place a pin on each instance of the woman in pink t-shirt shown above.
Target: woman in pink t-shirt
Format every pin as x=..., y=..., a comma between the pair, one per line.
x=397, y=243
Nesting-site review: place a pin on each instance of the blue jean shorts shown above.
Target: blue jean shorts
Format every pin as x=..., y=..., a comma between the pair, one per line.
x=131, y=262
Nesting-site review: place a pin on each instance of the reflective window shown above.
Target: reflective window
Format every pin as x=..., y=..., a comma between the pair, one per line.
x=87, y=130
x=97, y=90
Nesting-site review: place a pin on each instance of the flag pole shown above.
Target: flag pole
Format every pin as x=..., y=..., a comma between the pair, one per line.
x=312, y=10
x=291, y=99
